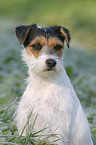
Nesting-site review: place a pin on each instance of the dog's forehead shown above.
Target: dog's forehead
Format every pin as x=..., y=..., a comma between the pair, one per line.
x=47, y=32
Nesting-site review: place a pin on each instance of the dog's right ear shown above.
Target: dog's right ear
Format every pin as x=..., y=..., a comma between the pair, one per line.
x=23, y=31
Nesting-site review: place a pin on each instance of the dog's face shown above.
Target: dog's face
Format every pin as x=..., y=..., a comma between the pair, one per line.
x=43, y=47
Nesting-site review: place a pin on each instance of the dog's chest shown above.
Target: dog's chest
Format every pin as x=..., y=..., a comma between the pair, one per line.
x=51, y=102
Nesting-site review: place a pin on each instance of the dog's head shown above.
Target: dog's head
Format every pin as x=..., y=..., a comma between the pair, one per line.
x=43, y=47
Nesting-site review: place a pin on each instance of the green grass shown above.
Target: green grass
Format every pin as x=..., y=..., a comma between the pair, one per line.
x=9, y=133
x=80, y=17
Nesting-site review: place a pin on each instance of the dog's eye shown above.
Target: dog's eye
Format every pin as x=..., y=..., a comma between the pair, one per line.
x=37, y=46
x=58, y=47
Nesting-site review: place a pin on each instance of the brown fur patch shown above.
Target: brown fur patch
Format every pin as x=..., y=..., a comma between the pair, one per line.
x=52, y=42
x=30, y=51
x=64, y=34
x=59, y=53
x=39, y=39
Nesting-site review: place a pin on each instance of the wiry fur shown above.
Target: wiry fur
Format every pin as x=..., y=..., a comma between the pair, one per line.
x=51, y=96
x=55, y=101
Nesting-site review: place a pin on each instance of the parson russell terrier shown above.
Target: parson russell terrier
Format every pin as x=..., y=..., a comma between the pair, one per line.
x=49, y=91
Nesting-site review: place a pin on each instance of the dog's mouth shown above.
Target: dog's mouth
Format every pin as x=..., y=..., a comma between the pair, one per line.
x=49, y=69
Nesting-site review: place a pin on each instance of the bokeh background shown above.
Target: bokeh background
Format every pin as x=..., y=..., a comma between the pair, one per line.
x=79, y=16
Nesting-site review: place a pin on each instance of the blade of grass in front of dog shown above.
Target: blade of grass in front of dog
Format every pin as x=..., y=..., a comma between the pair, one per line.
x=34, y=121
x=34, y=135
x=39, y=135
x=39, y=141
x=46, y=139
x=46, y=136
x=54, y=141
x=31, y=127
x=43, y=140
x=25, y=126
x=52, y=135
x=27, y=132
x=61, y=138
x=8, y=108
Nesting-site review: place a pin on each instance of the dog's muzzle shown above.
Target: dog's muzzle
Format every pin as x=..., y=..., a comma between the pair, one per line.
x=51, y=63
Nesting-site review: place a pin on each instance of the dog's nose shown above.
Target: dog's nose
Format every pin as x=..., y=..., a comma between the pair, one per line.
x=51, y=63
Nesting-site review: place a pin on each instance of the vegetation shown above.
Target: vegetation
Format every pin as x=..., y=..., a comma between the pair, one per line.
x=80, y=61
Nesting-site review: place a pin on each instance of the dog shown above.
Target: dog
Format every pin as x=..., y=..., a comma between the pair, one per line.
x=49, y=92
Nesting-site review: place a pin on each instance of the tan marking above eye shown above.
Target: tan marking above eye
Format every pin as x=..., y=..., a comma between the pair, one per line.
x=39, y=39
x=30, y=51
x=53, y=42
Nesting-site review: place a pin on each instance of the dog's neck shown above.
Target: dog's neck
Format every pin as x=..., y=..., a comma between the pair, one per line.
x=39, y=80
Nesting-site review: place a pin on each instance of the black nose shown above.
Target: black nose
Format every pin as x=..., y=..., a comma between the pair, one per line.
x=51, y=63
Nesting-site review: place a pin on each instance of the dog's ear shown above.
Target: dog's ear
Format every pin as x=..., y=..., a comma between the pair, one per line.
x=23, y=31
x=64, y=33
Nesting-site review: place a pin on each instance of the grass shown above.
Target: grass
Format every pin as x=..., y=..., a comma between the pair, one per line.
x=80, y=63
x=9, y=133
x=79, y=16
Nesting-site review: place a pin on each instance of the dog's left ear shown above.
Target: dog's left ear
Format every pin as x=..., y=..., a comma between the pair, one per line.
x=23, y=31
x=65, y=33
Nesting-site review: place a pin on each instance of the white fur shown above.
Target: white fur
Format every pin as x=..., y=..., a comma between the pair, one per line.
x=39, y=27
x=54, y=99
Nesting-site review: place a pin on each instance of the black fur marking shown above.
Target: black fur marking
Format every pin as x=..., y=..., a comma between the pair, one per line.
x=67, y=33
x=52, y=32
x=32, y=34
x=21, y=32
x=26, y=34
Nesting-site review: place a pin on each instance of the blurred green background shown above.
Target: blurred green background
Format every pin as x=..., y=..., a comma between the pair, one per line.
x=79, y=16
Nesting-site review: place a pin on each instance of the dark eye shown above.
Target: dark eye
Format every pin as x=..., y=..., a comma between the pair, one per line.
x=58, y=47
x=37, y=46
